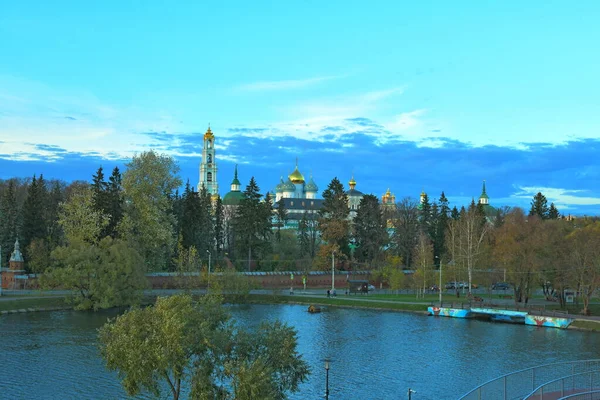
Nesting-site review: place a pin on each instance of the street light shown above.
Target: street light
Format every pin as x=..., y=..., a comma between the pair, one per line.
x=326, y=379
x=440, y=286
x=208, y=277
x=332, y=273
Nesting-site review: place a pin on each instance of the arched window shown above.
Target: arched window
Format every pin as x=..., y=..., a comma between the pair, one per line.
x=209, y=176
x=209, y=159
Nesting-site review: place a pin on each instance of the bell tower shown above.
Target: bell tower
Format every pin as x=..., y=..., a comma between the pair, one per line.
x=208, y=166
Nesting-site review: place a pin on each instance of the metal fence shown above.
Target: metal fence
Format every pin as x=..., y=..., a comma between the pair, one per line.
x=518, y=385
x=593, y=395
x=583, y=382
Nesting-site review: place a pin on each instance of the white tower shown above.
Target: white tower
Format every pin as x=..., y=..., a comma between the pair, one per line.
x=208, y=166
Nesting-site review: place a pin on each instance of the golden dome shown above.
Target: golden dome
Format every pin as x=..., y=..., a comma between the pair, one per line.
x=209, y=134
x=352, y=182
x=296, y=176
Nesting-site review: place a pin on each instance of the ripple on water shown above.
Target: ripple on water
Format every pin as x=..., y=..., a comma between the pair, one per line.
x=375, y=355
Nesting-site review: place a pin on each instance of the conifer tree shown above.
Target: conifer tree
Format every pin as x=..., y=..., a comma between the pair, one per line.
x=114, y=195
x=205, y=238
x=333, y=217
x=56, y=197
x=553, y=212
x=252, y=223
x=455, y=214
x=539, y=206
x=442, y=226
x=219, y=226
x=425, y=214
x=34, y=221
x=281, y=216
x=370, y=232
x=8, y=221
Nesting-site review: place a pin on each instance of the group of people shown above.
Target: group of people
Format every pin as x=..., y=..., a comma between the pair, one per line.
x=331, y=292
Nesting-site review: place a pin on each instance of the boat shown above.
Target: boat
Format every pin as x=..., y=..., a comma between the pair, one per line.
x=313, y=309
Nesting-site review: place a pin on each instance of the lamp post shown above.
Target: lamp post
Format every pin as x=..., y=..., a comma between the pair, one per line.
x=208, y=276
x=326, y=379
x=332, y=273
x=440, y=286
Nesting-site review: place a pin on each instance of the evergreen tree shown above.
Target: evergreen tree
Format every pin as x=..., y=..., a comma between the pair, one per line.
x=114, y=201
x=302, y=235
x=190, y=217
x=205, y=238
x=455, y=214
x=281, y=216
x=553, y=212
x=370, y=232
x=8, y=221
x=432, y=232
x=539, y=206
x=406, y=229
x=34, y=222
x=252, y=223
x=219, y=226
x=55, y=198
x=333, y=217
x=99, y=188
x=442, y=226
x=425, y=214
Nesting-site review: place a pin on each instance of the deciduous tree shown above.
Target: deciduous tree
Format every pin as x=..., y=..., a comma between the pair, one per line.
x=148, y=183
x=187, y=344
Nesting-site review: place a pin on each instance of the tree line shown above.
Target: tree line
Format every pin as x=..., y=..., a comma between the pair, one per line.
x=120, y=227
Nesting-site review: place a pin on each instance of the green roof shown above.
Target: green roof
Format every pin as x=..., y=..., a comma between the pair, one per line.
x=233, y=198
x=483, y=193
x=235, y=178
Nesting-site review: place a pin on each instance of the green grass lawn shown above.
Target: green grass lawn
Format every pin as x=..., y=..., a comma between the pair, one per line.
x=587, y=325
x=21, y=302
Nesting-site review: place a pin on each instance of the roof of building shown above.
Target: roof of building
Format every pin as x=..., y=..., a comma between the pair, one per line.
x=289, y=185
x=311, y=186
x=354, y=193
x=235, y=177
x=296, y=176
x=279, y=186
x=483, y=193
x=16, y=254
x=209, y=134
x=233, y=198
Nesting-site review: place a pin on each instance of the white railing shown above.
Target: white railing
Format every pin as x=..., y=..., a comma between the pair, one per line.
x=519, y=384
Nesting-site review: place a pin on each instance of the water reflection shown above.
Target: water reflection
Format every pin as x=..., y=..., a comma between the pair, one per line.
x=375, y=355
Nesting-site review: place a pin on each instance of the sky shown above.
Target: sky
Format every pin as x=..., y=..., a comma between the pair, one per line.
x=410, y=96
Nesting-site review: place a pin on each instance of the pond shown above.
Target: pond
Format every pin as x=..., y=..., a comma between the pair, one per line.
x=375, y=354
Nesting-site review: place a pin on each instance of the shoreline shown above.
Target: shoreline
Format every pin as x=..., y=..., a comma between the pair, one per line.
x=40, y=304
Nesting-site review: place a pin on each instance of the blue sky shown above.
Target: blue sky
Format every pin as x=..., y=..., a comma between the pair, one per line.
x=404, y=95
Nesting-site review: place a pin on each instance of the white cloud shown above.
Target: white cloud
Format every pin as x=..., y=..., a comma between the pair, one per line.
x=562, y=198
x=286, y=84
x=76, y=121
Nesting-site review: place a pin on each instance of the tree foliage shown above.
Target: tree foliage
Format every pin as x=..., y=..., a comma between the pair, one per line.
x=148, y=183
x=406, y=229
x=539, y=206
x=333, y=217
x=252, y=224
x=99, y=275
x=370, y=233
x=190, y=344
